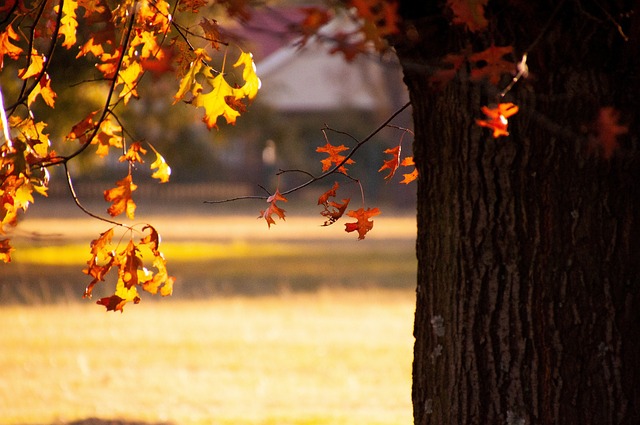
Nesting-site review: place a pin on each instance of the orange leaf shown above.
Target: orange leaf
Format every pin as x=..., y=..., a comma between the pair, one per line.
x=328, y=194
x=469, y=13
x=408, y=178
x=334, y=157
x=133, y=153
x=5, y=250
x=363, y=224
x=120, y=196
x=273, y=208
x=81, y=130
x=498, y=118
x=128, y=263
x=608, y=130
x=108, y=136
x=490, y=64
x=43, y=88
x=393, y=163
x=332, y=210
x=6, y=47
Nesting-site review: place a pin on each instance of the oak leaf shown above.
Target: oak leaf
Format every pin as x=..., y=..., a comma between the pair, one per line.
x=335, y=158
x=408, y=162
x=121, y=199
x=163, y=171
x=498, y=118
x=6, y=47
x=469, y=13
x=68, y=23
x=363, y=224
x=332, y=211
x=133, y=153
x=43, y=89
x=490, y=63
x=393, y=163
x=273, y=208
x=35, y=66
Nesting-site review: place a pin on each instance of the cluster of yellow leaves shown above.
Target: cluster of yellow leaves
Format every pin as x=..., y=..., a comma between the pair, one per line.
x=21, y=175
x=219, y=99
x=130, y=268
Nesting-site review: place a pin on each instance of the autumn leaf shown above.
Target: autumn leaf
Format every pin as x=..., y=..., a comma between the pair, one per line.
x=81, y=130
x=101, y=261
x=211, y=31
x=215, y=101
x=608, y=129
x=334, y=157
x=363, y=223
x=393, y=163
x=408, y=162
x=469, y=13
x=5, y=250
x=273, y=208
x=163, y=171
x=332, y=211
x=68, y=23
x=43, y=89
x=122, y=296
x=120, y=196
x=133, y=153
x=6, y=47
x=35, y=66
x=251, y=81
x=107, y=136
x=490, y=64
x=498, y=118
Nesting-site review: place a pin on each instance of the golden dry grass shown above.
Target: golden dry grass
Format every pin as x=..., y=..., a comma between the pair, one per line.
x=329, y=357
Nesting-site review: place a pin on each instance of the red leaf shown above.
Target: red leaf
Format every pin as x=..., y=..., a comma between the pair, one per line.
x=363, y=224
x=469, y=13
x=393, y=163
x=608, y=130
x=498, y=118
x=273, y=208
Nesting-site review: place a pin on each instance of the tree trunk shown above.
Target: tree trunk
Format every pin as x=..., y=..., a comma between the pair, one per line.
x=528, y=295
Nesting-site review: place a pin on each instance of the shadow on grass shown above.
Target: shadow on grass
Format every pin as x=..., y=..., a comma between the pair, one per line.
x=97, y=421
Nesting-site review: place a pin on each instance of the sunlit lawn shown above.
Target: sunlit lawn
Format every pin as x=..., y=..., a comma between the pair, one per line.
x=282, y=330
x=327, y=357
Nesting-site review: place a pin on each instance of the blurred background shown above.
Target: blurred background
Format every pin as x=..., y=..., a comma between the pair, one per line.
x=297, y=324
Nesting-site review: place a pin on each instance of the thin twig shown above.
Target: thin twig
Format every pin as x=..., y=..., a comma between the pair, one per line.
x=334, y=170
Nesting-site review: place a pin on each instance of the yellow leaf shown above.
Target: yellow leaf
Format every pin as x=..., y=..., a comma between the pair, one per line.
x=129, y=78
x=163, y=170
x=214, y=102
x=68, y=23
x=188, y=82
x=34, y=68
x=252, y=82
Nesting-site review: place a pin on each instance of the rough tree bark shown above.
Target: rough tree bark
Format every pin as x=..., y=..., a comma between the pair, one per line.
x=528, y=296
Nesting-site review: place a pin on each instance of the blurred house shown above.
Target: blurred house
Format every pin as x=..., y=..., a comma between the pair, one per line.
x=305, y=87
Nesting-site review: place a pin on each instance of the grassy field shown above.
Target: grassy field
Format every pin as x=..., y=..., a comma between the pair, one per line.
x=325, y=357
x=294, y=325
